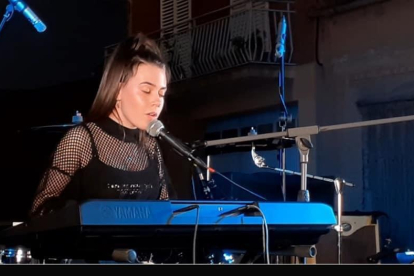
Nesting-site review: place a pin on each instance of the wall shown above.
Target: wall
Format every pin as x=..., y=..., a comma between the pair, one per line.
x=199, y=8
x=144, y=16
x=359, y=49
x=367, y=56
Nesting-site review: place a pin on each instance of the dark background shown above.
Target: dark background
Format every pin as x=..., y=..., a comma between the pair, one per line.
x=44, y=79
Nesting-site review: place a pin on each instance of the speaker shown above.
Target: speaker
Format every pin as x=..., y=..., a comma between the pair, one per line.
x=360, y=239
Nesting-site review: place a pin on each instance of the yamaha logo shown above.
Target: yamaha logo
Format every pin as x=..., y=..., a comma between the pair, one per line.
x=107, y=212
x=125, y=212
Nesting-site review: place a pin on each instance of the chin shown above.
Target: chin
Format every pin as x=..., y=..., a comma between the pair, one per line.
x=143, y=126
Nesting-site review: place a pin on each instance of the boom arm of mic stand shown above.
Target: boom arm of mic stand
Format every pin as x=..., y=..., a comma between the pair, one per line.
x=308, y=130
x=302, y=135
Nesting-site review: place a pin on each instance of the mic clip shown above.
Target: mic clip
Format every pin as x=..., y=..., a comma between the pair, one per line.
x=207, y=184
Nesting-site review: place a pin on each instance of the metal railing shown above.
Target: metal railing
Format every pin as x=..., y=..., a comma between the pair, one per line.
x=248, y=36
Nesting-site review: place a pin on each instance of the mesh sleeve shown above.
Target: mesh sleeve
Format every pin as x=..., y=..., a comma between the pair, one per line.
x=73, y=152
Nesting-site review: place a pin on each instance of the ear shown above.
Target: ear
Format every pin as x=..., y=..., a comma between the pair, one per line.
x=119, y=96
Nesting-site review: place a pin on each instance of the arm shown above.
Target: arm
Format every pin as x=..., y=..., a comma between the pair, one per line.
x=72, y=153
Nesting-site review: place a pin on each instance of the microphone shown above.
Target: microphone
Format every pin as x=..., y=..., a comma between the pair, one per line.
x=157, y=129
x=23, y=8
x=281, y=37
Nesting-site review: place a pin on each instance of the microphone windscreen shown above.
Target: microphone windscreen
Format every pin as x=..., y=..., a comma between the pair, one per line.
x=154, y=128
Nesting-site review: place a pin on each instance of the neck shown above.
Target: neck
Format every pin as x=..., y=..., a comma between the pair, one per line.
x=117, y=119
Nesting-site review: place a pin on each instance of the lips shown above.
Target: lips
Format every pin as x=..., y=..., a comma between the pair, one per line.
x=152, y=114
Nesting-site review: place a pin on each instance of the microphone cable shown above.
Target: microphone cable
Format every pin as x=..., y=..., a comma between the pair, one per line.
x=265, y=228
x=241, y=187
x=184, y=210
x=265, y=233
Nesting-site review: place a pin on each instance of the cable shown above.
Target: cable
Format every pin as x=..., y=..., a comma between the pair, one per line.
x=184, y=210
x=266, y=236
x=195, y=234
x=194, y=191
x=241, y=187
x=264, y=242
x=265, y=229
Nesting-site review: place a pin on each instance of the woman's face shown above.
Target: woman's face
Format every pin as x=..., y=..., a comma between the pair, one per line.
x=141, y=99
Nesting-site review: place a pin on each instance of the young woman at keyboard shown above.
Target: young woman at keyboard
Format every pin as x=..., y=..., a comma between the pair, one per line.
x=110, y=155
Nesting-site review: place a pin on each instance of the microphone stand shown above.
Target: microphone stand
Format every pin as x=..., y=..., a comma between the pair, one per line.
x=339, y=186
x=302, y=137
x=284, y=117
x=304, y=145
x=7, y=15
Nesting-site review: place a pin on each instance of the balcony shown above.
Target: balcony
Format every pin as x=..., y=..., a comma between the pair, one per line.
x=202, y=46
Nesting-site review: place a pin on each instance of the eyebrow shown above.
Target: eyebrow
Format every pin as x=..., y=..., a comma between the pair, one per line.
x=151, y=84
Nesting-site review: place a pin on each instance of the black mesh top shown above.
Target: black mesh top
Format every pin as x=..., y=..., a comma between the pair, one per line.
x=102, y=160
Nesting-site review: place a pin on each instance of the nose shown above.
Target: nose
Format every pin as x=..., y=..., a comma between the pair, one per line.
x=156, y=99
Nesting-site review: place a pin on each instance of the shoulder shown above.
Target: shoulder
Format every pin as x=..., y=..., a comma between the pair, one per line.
x=78, y=134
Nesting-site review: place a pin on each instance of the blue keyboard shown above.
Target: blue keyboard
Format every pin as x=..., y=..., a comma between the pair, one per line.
x=96, y=227
x=125, y=212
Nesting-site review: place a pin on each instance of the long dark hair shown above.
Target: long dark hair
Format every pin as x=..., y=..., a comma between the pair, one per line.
x=121, y=65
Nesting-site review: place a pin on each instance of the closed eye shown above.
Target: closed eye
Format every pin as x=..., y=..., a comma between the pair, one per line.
x=161, y=93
